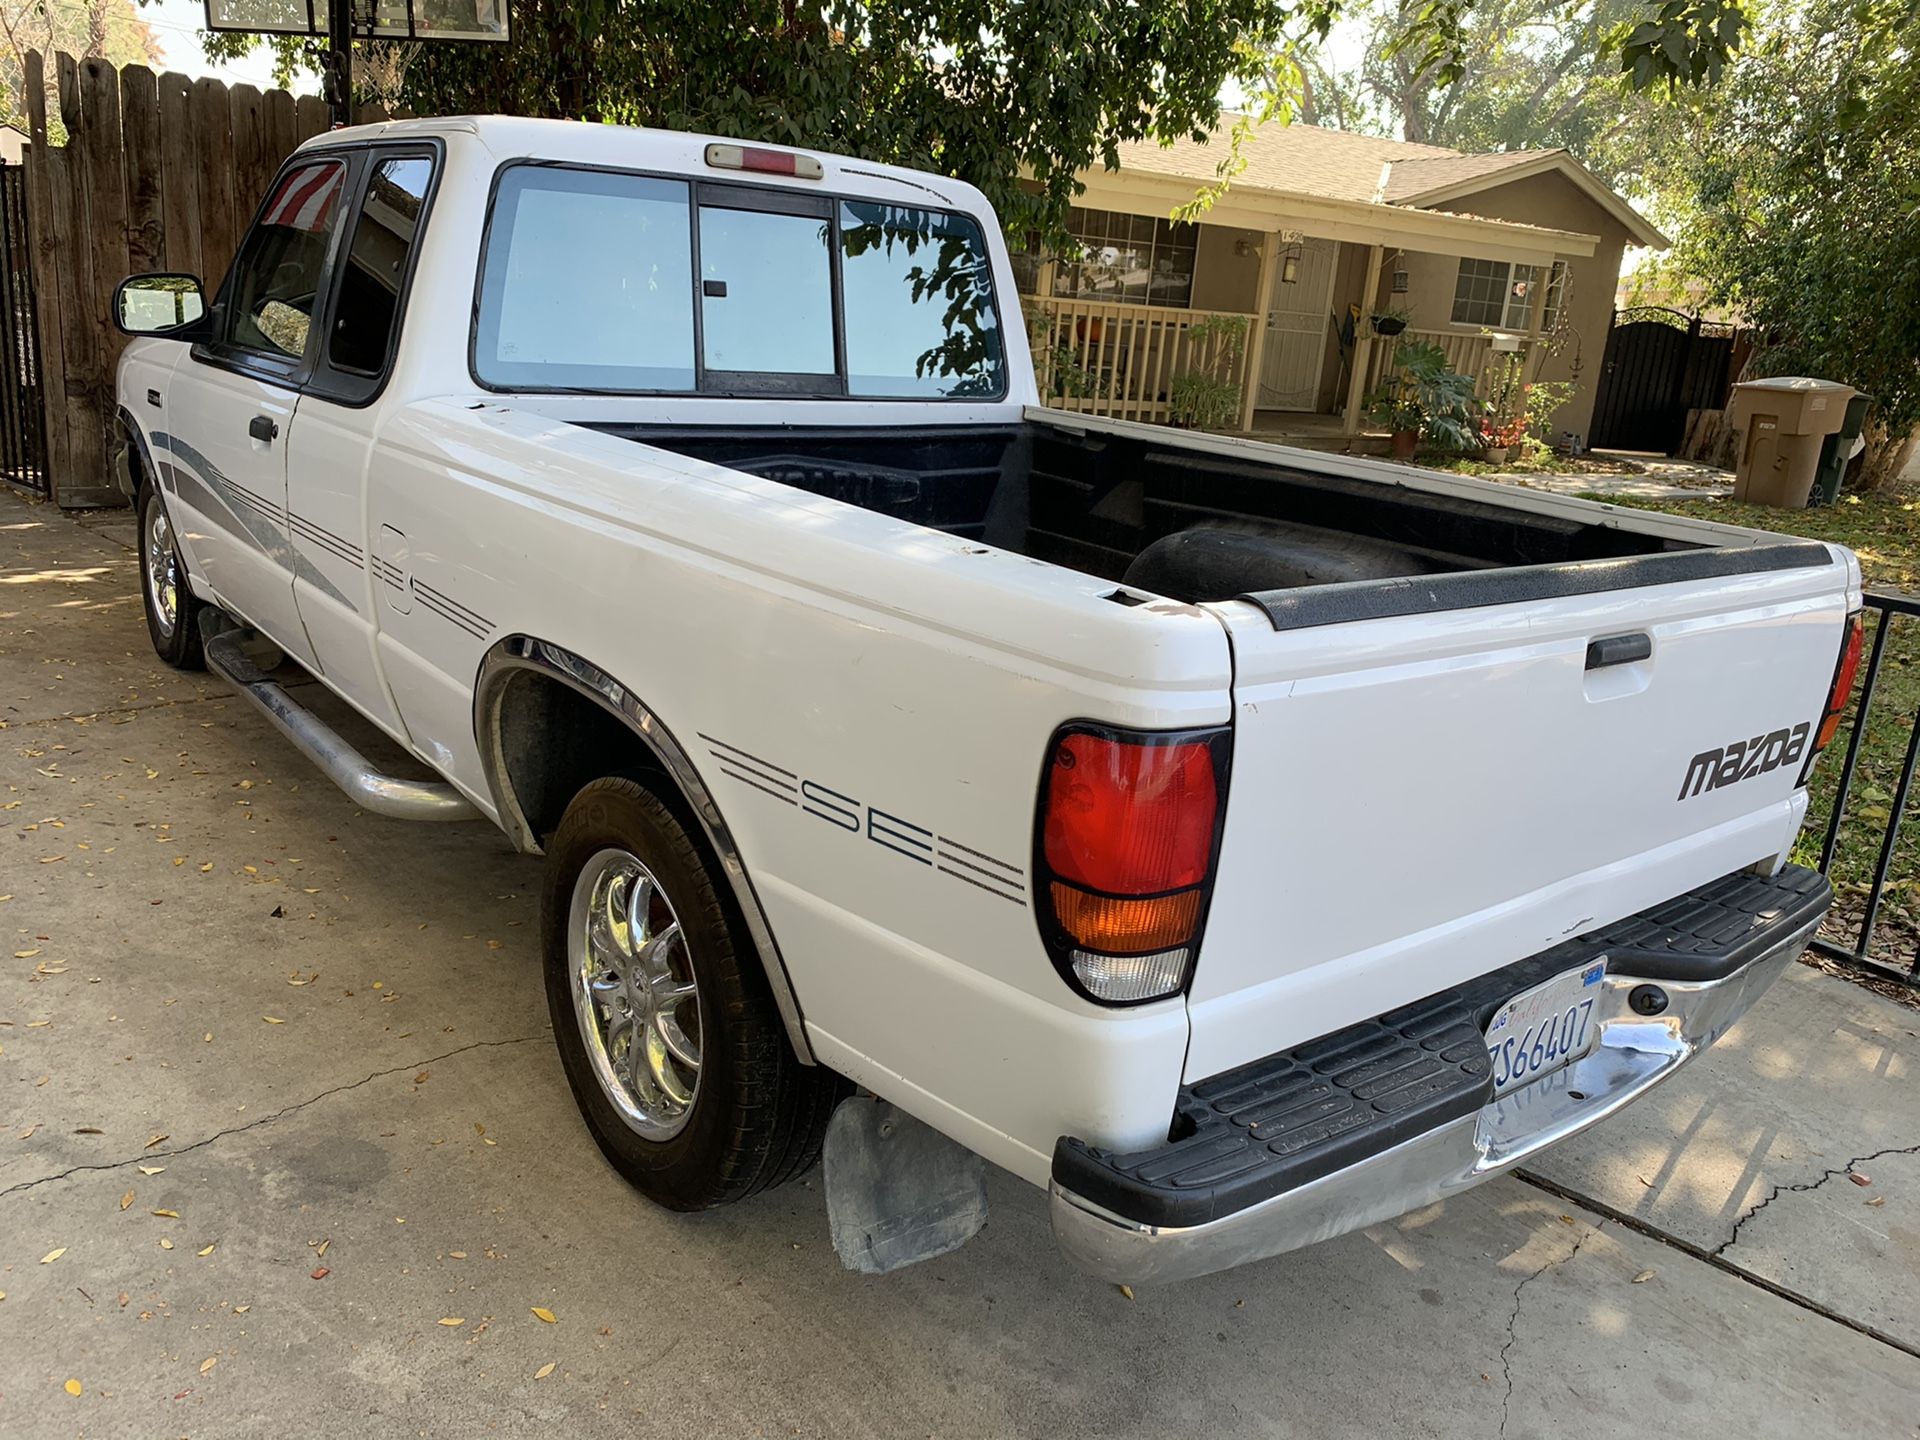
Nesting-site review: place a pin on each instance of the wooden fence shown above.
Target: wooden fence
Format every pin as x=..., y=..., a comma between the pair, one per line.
x=159, y=172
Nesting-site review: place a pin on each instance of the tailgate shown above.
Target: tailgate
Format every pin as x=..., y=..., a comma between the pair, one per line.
x=1431, y=793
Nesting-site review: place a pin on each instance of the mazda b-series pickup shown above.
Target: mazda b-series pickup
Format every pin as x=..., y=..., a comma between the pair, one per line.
x=1243, y=844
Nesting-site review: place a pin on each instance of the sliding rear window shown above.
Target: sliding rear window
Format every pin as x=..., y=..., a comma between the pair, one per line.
x=640, y=284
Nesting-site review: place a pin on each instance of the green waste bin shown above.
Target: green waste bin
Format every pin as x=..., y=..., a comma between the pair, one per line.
x=1835, y=451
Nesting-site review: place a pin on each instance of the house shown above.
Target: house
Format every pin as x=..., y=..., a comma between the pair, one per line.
x=1514, y=253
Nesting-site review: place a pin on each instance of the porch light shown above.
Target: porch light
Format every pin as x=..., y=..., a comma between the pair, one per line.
x=1290, y=270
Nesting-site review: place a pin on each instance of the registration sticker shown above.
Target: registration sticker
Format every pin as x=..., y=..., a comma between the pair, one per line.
x=1542, y=1029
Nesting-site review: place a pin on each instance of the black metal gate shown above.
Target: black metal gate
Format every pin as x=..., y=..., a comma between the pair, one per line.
x=1890, y=866
x=1659, y=364
x=23, y=431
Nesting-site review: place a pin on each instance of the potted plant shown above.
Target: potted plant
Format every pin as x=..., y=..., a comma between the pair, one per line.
x=1426, y=399
x=1390, y=321
x=1499, y=434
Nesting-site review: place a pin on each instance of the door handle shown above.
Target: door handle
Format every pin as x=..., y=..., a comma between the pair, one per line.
x=263, y=428
x=1618, y=650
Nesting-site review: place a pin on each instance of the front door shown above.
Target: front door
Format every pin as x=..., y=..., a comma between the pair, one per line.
x=1298, y=320
x=226, y=480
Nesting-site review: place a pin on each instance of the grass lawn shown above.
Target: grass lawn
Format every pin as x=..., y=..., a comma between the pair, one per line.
x=1885, y=533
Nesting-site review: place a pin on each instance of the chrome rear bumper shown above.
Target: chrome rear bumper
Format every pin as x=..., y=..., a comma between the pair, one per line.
x=1634, y=1052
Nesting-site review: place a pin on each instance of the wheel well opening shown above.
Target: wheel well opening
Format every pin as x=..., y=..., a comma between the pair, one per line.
x=554, y=740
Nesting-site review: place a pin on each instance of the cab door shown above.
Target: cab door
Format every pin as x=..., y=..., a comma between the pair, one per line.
x=344, y=580
x=232, y=399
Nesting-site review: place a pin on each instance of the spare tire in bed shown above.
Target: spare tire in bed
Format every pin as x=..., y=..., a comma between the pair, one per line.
x=1218, y=562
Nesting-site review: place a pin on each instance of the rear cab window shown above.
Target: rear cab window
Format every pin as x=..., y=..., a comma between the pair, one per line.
x=627, y=283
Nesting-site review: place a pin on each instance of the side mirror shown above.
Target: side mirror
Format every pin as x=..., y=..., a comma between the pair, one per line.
x=168, y=305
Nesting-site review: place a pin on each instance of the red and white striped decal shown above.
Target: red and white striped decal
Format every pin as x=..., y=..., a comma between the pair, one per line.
x=305, y=198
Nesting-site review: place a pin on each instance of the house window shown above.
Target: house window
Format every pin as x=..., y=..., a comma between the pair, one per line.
x=1129, y=259
x=1497, y=295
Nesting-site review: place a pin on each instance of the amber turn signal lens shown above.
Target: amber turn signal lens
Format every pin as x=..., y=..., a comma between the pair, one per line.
x=1126, y=927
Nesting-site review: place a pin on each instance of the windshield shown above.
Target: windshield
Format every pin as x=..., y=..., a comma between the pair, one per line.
x=638, y=284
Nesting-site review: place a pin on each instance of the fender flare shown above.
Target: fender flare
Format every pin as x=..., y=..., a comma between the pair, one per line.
x=523, y=653
x=137, y=440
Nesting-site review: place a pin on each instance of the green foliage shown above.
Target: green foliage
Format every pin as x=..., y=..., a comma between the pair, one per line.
x=1204, y=397
x=1501, y=75
x=1017, y=96
x=1797, y=198
x=1198, y=401
x=1425, y=394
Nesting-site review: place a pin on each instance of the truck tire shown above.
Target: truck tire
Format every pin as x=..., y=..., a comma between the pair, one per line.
x=173, y=614
x=667, y=1028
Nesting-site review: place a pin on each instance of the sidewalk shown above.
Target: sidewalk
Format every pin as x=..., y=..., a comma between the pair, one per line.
x=276, y=1086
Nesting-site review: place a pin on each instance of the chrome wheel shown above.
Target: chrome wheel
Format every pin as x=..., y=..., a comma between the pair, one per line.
x=163, y=569
x=634, y=995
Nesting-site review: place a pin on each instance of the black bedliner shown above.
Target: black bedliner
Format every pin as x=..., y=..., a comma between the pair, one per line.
x=1093, y=500
x=1275, y=1124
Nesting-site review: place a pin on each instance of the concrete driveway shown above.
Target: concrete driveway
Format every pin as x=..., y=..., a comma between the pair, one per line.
x=286, y=1149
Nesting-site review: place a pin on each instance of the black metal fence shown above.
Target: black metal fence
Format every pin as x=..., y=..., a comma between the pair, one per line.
x=23, y=431
x=1861, y=952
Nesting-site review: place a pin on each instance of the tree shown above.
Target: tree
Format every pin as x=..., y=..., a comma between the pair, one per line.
x=1532, y=74
x=1796, y=198
x=1016, y=96
x=109, y=28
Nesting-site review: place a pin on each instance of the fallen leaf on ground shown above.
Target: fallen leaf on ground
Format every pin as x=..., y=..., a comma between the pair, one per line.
x=241, y=1309
x=1127, y=1291
x=545, y=1370
x=74, y=1387
x=273, y=1019
x=27, y=1134
x=452, y=1320
x=208, y=1363
x=89, y=1130
x=1644, y=1276
x=206, y=1252
x=165, y=1214
x=126, y=1200
x=53, y=1255
x=456, y=1254
x=206, y=867
x=421, y=1078
x=26, y=954
x=149, y=1169
x=1858, y=1178
x=165, y=1244
x=321, y=1249
x=1877, y=1201
x=320, y=1274
x=153, y=1142
x=540, y=1312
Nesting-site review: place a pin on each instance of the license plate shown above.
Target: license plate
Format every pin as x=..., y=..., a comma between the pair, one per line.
x=1545, y=1028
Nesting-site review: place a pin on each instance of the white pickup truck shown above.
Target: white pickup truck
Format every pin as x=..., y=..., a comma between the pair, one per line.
x=1245, y=845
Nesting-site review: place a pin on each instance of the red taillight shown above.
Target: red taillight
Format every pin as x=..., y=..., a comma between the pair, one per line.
x=764, y=162
x=1128, y=824
x=1128, y=818
x=1843, y=677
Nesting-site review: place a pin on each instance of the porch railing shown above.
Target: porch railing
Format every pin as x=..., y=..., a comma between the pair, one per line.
x=1468, y=353
x=1122, y=360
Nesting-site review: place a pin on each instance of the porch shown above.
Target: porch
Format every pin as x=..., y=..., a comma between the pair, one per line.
x=1276, y=335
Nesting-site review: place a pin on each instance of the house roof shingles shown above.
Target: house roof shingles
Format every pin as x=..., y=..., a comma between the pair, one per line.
x=1304, y=159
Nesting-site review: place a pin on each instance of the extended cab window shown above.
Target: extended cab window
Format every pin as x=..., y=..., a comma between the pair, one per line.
x=376, y=264
x=591, y=283
x=277, y=274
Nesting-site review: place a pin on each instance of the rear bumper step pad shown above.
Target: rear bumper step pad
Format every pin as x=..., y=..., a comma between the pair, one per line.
x=1283, y=1122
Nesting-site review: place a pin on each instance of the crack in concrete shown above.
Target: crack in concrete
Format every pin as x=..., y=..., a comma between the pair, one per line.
x=21, y=1186
x=1803, y=1186
x=75, y=717
x=1513, y=1320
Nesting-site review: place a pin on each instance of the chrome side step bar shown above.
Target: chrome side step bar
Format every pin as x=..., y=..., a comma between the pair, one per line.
x=320, y=743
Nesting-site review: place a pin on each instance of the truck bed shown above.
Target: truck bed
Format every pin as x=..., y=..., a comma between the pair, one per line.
x=1093, y=497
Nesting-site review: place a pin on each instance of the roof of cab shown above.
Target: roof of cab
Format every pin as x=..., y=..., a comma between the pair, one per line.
x=511, y=137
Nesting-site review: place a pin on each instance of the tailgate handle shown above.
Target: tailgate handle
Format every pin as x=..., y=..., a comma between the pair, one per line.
x=1618, y=650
